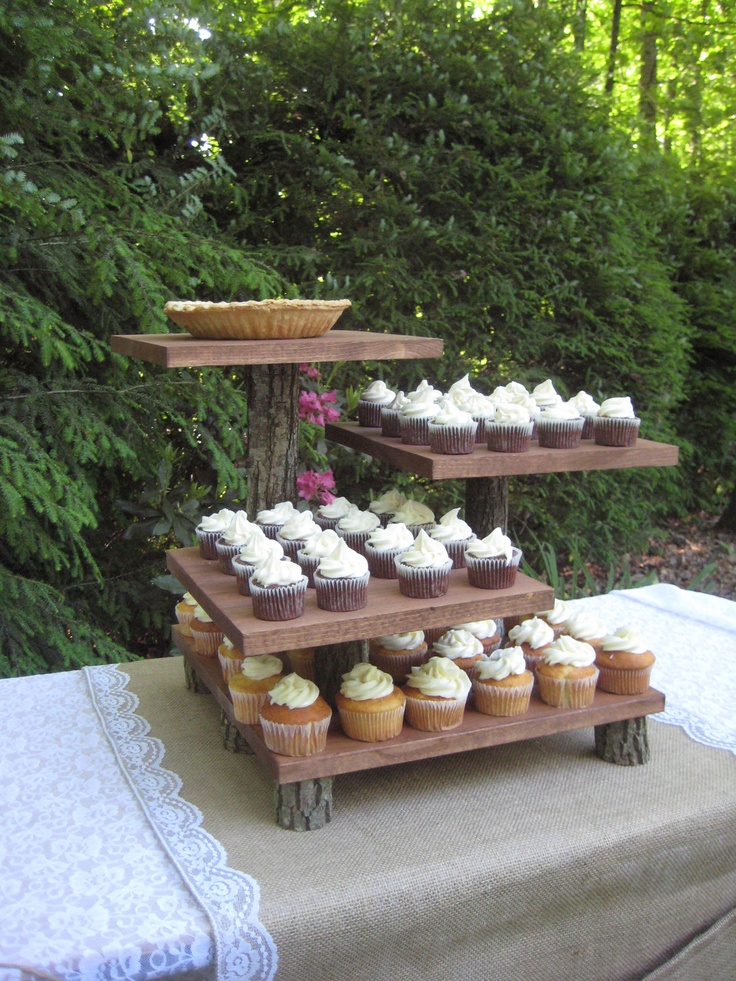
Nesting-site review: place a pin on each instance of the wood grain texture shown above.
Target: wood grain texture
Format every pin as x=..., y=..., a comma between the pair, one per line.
x=387, y=612
x=344, y=755
x=185, y=351
x=420, y=460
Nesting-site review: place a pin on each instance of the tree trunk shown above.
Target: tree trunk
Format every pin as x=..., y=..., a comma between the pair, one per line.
x=613, y=47
x=727, y=520
x=648, y=77
x=487, y=504
x=273, y=435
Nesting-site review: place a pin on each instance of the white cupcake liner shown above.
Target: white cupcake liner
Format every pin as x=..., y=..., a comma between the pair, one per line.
x=434, y=715
x=372, y=727
x=229, y=665
x=295, y=740
x=225, y=555
x=505, y=702
x=206, y=642
x=247, y=705
x=567, y=692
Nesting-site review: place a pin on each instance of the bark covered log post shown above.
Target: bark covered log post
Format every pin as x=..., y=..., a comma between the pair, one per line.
x=487, y=504
x=625, y=743
x=192, y=681
x=232, y=739
x=305, y=805
x=273, y=435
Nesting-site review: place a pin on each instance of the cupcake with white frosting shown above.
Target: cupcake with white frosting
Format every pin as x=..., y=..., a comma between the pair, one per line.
x=341, y=580
x=390, y=425
x=372, y=400
x=415, y=416
x=625, y=663
x=387, y=504
x=485, y=630
x=482, y=410
x=415, y=515
x=370, y=705
x=356, y=528
x=256, y=548
x=230, y=541
x=567, y=674
x=229, y=657
x=533, y=636
x=510, y=430
x=584, y=624
x=461, y=647
x=616, y=423
x=557, y=616
x=383, y=546
x=455, y=534
x=296, y=531
x=184, y=611
x=452, y=431
x=250, y=684
x=295, y=718
x=206, y=635
x=492, y=562
x=502, y=683
x=270, y=520
x=209, y=529
x=397, y=654
x=424, y=568
x=546, y=395
x=436, y=693
x=588, y=409
x=315, y=549
x=278, y=587
x=327, y=515
x=560, y=427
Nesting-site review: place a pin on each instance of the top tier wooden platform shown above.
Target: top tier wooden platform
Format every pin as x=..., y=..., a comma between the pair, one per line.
x=185, y=351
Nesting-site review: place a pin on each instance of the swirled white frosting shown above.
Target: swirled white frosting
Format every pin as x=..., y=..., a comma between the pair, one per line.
x=439, y=677
x=585, y=625
x=481, y=629
x=275, y=571
x=479, y=406
x=201, y=614
x=216, y=522
x=424, y=553
x=492, y=545
x=365, y=681
x=299, y=527
x=561, y=412
x=460, y=389
x=342, y=562
x=422, y=406
x=625, y=639
x=584, y=403
x=559, y=613
x=421, y=390
x=276, y=515
x=511, y=414
x=413, y=513
x=335, y=509
x=239, y=529
x=399, y=400
x=545, y=394
x=257, y=547
x=294, y=692
x=455, y=643
x=322, y=545
x=227, y=644
x=409, y=641
x=450, y=414
x=500, y=664
x=567, y=650
x=261, y=666
x=188, y=599
x=395, y=535
x=378, y=393
x=387, y=503
x=617, y=408
x=451, y=528
x=534, y=632
x=358, y=521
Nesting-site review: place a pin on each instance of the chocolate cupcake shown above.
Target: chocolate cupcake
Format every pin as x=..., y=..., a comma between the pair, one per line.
x=452, y=431
x=231, y=541
x=277, y=588
x=315, y=549
x=341, y=580
x=383, y=546
x=356, y=528
x=510, y=431
x=209, y=529
x=270, y=520
x=372, y=400
x=256, y=548
x=296, y=531
x=327, y=515
x=616, y=423
x=492, y=562
x=455, y=534
x=424, y=568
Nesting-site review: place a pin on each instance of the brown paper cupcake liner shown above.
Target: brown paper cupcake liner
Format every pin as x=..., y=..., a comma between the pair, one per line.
x=456, y=551
x=341, y=595
x=369, y=414
x=615, y=432
x=207, y=541
x=560, y=434
x=567, y=693
x=587, y=427
x=243, y=571
x=290, y=546
x=225, y=555
x=390, y=424
x=414, y=432
x=494, y=572
x=452, y=440
x=308, y=564
x=382, y=561
x=278, y=602
x=495, y=700
x=504, y=437
x=372, y=727
x=423, y=583
x=354, y=539
x=295, y=740
x=325, y=523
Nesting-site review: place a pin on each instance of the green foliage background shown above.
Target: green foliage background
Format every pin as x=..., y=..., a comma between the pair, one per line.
x=454, y=175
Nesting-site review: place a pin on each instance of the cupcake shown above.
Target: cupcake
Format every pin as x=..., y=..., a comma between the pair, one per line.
x=510, y=430
x=415, y=416
x=455, y=534
x=277, y=588
x=461, y=390
x=295, y=718
x=415, y=515
x=482, y=410
x=557, y=617
x=209, y=529
x=206, y=635
x=341, y=580
x=232, y=539
x=371, y=707
x=588, y=408
x=296, y=531
x=424, y=569
x=315, y=549
x=327, y=515
x=546, y=395
x=485, y=630
x=567, y=674
x=625, y=663
x=356, y=528
x=270, y=520
x=230, y=659
x=396, y=654
x=436, y=693
x=256, y=548
x=184, y=611
x=502, y=683
x=250, y=685
x=616, y=423
x=390, y=416
x=452, y=431
x=533, y=637
x=372, y=399
x=387, y=505
x=560, y=427
x=461, y=647
x=493, y=561
x=301, y=660
x=586, y=626
x=383, y=546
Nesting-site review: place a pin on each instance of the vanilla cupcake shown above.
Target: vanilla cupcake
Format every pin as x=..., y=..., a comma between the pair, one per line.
x=372, y=399
x=587, y=626
x=588, y=408
x=493, y=561
x=256, y=549
x=231, y=540
x=387, y=505
x=415, y=515
x=436, y=693
x=415, y=416
x=397, y=654
x=625, y=663
x=390, y=416
x=557, y=617
x=371, y=707
x=567, y=674
x=341, y=580
x=327, y=515
x=206, y=635
x=510, y=430
x=250, y=685
x=455, y=534
x=356, y=528
x=184, y=611
x=461, y=647
x=383, y=546
x=452, y=431
x=533, y=637
x=560, y=427
x=616, y=423
x=295, y=718
x=277, y=589
x=296, y=531
x=502, y=683
x=209, y=529
x=485, y=630
x=230, y=659
x=424, y=569
x=315, y=549
x=270, y=520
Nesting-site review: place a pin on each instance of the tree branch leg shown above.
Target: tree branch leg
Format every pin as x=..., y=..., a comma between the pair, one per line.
x=625, y=743
x=305, y=805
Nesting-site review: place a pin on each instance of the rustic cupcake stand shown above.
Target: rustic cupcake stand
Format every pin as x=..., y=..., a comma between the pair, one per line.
x=304, y=784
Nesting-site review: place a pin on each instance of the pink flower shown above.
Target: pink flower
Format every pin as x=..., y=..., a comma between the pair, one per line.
x=312, y=483
x=325, y=497
x=309, y=370
x=331, y=415
x=329, y=396
x=310, y=408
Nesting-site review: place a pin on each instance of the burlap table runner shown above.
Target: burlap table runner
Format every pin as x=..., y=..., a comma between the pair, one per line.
x=521, y=861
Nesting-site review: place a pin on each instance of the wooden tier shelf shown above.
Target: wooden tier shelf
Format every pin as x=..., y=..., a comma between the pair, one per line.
x=387, y=612
x=185, y=351
x=344, y=755
x=420, y=460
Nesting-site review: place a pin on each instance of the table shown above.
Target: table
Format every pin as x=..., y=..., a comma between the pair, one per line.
x=534, y=859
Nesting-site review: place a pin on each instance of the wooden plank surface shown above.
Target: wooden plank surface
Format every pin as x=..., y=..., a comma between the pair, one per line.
x=420, y=460
x=344, y=755
x=185, y=351
x=387, y=612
